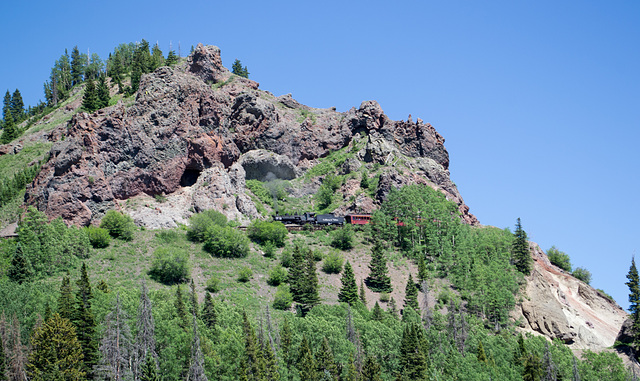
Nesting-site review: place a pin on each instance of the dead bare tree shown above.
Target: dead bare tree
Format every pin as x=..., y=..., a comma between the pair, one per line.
x=196, y=370
x=116, y=346
x=145, y=339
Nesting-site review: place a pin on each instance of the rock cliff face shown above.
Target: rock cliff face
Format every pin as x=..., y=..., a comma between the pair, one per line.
x=559, y=306
x=196, y=132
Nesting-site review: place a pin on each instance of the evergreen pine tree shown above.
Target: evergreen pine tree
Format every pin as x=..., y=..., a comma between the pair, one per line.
x=148, y=369
x=90, y=99
x=6, y=105
x=172, y=58
x=326, y=365
x=56, y=352
x=296, y=273
x=349, y=290
x=65, y=300
x=193, y=299
x=181, y=309
x=376, y=313
x=378, y=280
x=363, y=296
x=482, y=356
x=209, y=315
x=351, y=370
x=20, y=269
x=17, y=106
x=309, y=287
x=77, y=66
x=532, y=368
x=634, y=301
x=371, y=370
x=84, y=321
x=286, y=342
x=411, y=294
x=9, y=131
x=306, y=363
x=393, y=308
x=252, y=355
x=422, y=269
x=520, y=254
x=239, y=70
x=413, y=360
x=157, y=59
x=102, y=93
x=270, y=364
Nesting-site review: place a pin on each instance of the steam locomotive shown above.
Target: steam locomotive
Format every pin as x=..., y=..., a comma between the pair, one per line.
x=322, y=219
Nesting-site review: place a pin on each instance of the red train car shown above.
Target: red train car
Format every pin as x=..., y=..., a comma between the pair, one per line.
x=358, y=219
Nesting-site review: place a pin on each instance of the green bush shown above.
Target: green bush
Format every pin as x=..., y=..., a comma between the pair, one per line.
x=277, y=276
x=98, y=237
x=384, y=297
x=245, y=274
x=286, y=259
x=265, y=231
x=226, y=242
x=283, y=298
x=213, y=285
x=332, y=263
x=170, y=266
x=342, y=238
x=269, y=249
x=199, y=224
x=168, y=236
x=582, y=274
x=559, y=258
x=119, y=225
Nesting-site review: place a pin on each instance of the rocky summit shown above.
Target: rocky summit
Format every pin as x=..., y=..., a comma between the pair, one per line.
x=197, y=132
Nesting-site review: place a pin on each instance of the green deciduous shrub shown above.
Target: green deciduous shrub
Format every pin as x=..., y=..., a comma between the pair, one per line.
x=170, y=266
x=119, y=225
x=277, y=276
x=582, y=274
x=226, y=242
x=332, y=263
x=286, y=258
x=213, y=285
x=245, y=274
x=265, y=231
x=342, y=238
x=559, y=258
x=199, y=224
x=98, y=237
x=283, y=298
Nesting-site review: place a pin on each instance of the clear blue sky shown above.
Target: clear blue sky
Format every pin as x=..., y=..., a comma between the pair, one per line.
x=539, y=102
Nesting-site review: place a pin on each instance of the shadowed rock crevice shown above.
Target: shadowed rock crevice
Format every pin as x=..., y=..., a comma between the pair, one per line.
x=189, y=177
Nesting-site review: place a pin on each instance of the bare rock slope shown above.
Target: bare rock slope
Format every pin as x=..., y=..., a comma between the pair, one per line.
x=196, y=132
x=559, y=306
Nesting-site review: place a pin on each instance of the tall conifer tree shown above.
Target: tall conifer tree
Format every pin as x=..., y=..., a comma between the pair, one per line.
x=17, y=106
x=65, y=300
x=378, y=280
x=634, y=301
x=209, y=315
x=349, y=290
x=520, y=253
x=77, y=66
x=84, y=321
x=196, y=369
x=90, y=99
x=56, y=352
x=306, y=363
x=411, y=294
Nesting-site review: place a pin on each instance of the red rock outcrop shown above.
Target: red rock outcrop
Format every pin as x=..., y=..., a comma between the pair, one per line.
x=198, y=120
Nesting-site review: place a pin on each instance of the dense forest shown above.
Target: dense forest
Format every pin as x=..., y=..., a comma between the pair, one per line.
x=211, y=301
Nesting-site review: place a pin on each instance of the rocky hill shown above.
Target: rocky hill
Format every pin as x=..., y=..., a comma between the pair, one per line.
x=196, y=133
x=200, y=127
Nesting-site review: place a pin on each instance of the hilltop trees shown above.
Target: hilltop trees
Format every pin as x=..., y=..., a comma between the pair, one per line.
x=239, y=70
x=521, y=257
x=634, y=301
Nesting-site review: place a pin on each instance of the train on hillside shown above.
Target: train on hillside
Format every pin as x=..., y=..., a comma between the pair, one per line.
x=322, y=219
